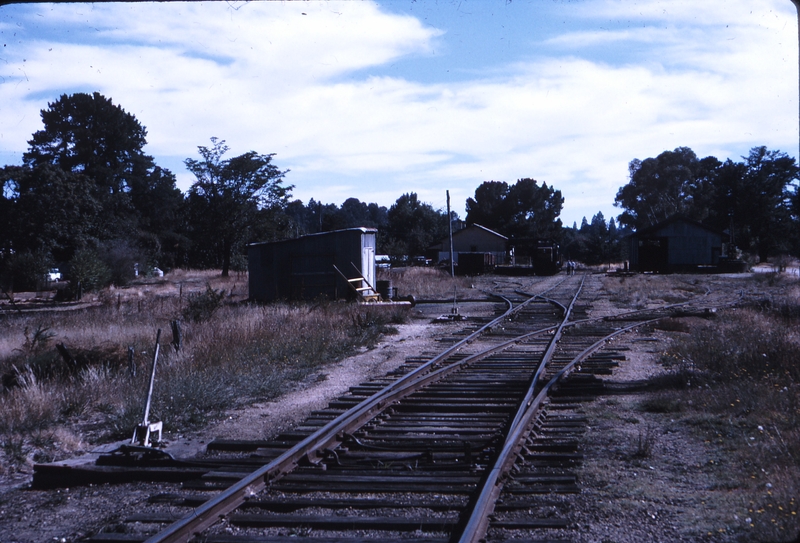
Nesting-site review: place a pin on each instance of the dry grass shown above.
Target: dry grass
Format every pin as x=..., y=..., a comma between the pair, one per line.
x=427, y=283
x=740, y=394
x=642, y=291
x=242, y=353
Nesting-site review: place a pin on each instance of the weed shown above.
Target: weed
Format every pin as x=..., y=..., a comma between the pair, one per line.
x=14, y=449
x=661, y=404
x=746, y=343
x=38, y=341
x=429, y=283
x=232, y=354
x=201, y=307
x=645, y=443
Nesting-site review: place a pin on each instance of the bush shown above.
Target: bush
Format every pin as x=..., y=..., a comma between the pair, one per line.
x=27, y=271
x=120, y=258
x=89, y=270
x=745, y=343
x=202, y=306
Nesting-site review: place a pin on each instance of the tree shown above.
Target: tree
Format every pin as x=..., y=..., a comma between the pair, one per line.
x=595, y=242
x=88, y=134
x=490, y=207
x=161, y=217
x=754, y=200
x=53, y=211
x=535, y=210
x=673, y=182
x=226, y=197
x=522, y=210
x=413, y=226
x=97, y=142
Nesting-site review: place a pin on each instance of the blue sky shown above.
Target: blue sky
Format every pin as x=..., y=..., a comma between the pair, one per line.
x=375, y=99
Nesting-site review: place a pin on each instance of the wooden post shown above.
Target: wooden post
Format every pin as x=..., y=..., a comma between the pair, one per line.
x=131, y=362
x=177, y=336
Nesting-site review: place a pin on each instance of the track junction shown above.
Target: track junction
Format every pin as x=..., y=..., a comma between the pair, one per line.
x=479, y=442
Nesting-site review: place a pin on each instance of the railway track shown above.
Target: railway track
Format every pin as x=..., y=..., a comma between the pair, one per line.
x=480, y=441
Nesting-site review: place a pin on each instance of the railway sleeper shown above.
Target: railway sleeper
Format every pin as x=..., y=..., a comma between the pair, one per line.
x=328, y=522
x=361, y=488
x=225, y=538
x=291, y=504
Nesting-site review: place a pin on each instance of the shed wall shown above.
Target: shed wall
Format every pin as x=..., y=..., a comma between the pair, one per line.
x=302, y=268
x=685, y=246
x=474, y=240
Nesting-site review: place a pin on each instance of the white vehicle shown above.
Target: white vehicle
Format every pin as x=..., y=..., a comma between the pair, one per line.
x=54, y=275
x=383, y=261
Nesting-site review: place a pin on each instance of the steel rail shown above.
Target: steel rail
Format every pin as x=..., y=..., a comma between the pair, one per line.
x=477, y=510
x=477, y=525
x=551, y=348
x=211, y=511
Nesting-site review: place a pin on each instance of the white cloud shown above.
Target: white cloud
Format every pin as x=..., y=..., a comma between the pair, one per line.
x=266, y=77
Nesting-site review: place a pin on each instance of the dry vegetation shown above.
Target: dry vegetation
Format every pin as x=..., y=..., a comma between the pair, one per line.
x=427, y=283
x=233, y=353
x=706, y=450
x=731, y=386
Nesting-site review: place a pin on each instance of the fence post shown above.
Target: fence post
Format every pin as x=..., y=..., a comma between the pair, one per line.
x=177, y=336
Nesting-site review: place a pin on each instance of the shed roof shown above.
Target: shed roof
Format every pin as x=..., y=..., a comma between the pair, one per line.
x=652, y=229
x=362, y=229
x=481, y=228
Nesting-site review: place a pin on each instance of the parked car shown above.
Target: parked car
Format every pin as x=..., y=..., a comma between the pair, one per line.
x=54, y=275
x=383, y=261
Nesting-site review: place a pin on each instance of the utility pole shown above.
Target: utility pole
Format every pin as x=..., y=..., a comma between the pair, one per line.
x=450, y=226
x=797, y=5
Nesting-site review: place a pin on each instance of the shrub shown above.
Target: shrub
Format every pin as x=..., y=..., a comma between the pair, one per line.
x=202, y=306
x=121, y=258
x=745, y=343
x=89, y=270
x=28, y=271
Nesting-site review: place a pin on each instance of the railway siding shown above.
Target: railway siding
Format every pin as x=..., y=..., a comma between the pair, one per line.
x=411, y=469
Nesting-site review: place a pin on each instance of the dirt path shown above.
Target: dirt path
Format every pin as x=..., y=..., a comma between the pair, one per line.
x=684, y=487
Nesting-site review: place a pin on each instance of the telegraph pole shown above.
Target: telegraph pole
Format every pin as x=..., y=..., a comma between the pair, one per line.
x=797, y=5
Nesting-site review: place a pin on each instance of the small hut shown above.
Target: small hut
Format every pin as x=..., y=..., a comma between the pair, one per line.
x=303, y=268
x=473, y=239
x=677, y=244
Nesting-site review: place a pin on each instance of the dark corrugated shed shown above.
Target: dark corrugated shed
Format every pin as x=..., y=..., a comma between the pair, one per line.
x=674, y=245
x=303, y=268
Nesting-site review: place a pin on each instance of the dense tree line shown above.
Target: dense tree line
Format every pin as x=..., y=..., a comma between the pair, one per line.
x=87, y=190
x=595, y=242
x=756, y=200
x=89, y=200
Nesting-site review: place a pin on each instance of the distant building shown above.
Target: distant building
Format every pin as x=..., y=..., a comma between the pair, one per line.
x=675, y=245
x=473, y=239
x=303, y=268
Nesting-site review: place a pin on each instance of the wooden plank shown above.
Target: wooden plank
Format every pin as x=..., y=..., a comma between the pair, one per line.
x=328, y=522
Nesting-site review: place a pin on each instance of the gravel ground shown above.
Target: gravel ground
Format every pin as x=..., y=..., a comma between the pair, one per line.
x=674, y=493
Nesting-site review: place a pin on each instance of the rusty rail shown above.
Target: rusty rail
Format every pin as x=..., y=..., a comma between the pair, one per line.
x=333, y=432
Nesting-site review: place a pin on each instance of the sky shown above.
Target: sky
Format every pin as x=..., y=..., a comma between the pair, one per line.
x=374, y=99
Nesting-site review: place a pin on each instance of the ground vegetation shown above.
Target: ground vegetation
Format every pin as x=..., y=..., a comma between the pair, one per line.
x=232, y=353
x=721, y=406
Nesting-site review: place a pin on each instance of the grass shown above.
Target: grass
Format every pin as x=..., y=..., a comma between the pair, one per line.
x=427, y=283
x=642, y=291
x=738, y=390
x=234, y=353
